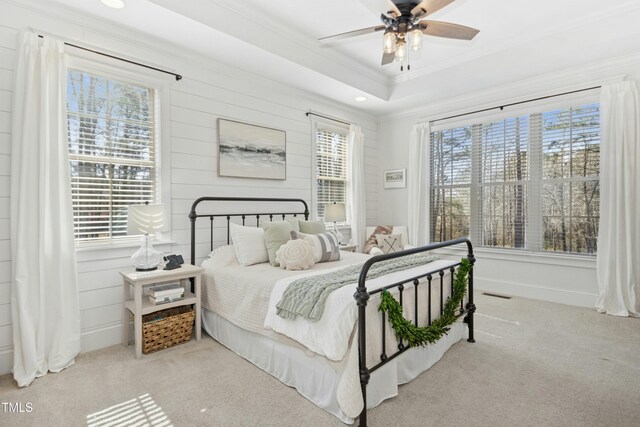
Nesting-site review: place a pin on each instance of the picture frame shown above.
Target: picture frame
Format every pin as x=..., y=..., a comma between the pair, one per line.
x=395, y=178
x=246, y=150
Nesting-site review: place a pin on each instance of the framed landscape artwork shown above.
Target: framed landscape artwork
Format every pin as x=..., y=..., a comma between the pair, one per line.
x=395, y=178
x=250, y=151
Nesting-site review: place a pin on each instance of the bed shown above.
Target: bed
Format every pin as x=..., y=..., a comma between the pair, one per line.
x=349, y=360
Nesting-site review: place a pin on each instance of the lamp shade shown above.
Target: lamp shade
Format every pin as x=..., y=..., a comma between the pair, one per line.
x=335, y=212
x=146, y=219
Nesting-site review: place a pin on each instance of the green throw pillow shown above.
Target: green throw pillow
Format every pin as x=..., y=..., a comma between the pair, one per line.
x=312, y=227
x=276, y=234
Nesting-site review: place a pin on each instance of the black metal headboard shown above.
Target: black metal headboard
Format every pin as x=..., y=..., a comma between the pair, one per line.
x=193, y=215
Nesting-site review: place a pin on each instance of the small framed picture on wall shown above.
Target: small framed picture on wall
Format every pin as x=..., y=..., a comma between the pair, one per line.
x=395, y=178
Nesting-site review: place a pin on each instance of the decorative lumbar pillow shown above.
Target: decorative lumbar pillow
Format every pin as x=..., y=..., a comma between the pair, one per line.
x=312, y=227
x=295, y=255
x=389, y=243
x=248, y=243
x=276, y=234
x=325, y=245
x=372, y=241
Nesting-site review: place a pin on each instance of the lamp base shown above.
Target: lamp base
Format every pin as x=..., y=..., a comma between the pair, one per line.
x=337, y=233
x=146, y=269
x=146, y=258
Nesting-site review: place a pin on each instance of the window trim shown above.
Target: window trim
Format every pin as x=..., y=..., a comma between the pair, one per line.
x=140, y=77
x=532, y=108
x=333, y=127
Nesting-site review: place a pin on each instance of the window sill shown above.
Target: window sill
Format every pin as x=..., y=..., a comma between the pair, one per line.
x=117, y=250
x=567, y=260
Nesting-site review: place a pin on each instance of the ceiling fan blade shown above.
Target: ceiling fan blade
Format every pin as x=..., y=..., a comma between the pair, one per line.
x=393, y=9
x=447, y=30
x=427, y=7
x=387, y=58
x=354, y=33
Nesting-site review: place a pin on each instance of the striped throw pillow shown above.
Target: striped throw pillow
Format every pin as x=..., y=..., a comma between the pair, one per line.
x=325, y=245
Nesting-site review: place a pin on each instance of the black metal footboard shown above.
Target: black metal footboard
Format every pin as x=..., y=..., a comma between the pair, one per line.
x=362, y=297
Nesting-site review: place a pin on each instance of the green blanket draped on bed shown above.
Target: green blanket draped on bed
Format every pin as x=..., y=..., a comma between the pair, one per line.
x=306, y=297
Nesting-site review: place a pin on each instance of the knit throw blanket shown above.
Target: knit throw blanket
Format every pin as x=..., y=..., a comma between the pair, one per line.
x=306, y=297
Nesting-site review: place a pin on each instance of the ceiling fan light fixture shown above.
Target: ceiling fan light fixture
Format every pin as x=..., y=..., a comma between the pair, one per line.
x=401, y=50
x=416, y=39
x=389, y=42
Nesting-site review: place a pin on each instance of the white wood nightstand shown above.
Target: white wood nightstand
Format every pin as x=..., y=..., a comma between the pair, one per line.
x=139, y=306
x=348, y=248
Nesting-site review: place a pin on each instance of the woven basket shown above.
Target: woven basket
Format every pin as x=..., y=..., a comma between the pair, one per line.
x=166, y=328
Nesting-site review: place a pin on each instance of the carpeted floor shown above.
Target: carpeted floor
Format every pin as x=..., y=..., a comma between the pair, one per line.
x=534, y=364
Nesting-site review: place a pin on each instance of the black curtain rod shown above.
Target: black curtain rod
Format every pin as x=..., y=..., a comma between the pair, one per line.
x=177, y=76
x=514, y=103
x=309, y=113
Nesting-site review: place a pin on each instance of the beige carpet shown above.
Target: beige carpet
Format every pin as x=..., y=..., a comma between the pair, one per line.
x=533, y=364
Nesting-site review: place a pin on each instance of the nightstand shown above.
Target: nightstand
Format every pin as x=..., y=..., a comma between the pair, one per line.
x=348, y=248
x=140, y=305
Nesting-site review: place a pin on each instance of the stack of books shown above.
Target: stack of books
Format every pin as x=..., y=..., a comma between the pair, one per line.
x=161, y=294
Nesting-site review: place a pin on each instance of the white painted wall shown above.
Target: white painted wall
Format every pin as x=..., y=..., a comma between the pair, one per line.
x=208, y=90
x=564, y=279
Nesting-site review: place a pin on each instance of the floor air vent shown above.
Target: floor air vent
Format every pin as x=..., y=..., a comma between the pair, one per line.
x=495, y=295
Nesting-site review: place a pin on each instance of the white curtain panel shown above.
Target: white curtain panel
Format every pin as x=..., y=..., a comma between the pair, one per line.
x=44, y=289
x=619, y=232
x=356, y=209
x=418, y=185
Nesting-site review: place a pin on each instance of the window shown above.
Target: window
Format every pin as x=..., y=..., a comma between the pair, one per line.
x=112, y=148
x=528, y=182
x=331, y=168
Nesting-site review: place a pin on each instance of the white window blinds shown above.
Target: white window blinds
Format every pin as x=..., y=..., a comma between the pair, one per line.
x=331, y=168
x=112, y=150
x=528, y=182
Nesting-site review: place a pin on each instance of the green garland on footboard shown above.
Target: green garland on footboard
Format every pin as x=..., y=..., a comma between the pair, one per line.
x=416, y=336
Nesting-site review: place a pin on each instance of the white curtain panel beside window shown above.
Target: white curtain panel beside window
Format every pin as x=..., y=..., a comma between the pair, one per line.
x=356, y=209
x=619, y=234
x=44, y=290
x=418, y=185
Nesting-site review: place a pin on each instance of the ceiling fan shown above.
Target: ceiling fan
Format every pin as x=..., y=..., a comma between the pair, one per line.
x=403, y=28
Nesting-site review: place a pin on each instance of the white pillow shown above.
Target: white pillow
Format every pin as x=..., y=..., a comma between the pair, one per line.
x=248, y=243
x=375, y=251
x=295, y=255
x=223, y=256
x=389, y=243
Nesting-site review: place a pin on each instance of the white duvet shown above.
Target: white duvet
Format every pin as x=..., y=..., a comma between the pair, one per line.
x=330, y=335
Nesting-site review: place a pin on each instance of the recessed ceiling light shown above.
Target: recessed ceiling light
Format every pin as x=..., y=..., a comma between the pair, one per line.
x=361, y=98
x=116, y=4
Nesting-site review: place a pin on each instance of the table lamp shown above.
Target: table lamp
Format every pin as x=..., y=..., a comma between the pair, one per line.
x=335, y=212
x=146, y=219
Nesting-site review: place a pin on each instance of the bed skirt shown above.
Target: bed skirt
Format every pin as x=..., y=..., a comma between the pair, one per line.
x=312, y=376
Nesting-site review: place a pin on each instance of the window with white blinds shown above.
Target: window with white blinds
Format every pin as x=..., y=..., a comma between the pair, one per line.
x=528, y=182
x=331, y=168
x=112, y=149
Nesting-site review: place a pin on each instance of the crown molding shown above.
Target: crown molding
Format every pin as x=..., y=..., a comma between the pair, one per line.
x=604, y=72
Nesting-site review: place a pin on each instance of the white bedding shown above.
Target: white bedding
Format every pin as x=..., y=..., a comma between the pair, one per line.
x=244, y=296
x=329, y=336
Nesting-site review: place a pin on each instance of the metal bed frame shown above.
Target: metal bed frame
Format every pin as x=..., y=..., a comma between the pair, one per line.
x=362, y=295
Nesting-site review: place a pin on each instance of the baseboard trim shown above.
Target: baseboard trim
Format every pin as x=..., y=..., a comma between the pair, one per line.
x=94, y=339
x=100, y=338
x=6, y=361
x=561, y=296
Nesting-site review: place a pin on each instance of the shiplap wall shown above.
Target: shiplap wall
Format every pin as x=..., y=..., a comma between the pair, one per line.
x=208, y=90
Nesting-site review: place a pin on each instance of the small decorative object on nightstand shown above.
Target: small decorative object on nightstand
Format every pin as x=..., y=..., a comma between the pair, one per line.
x=139, y=305
x=348, y=248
